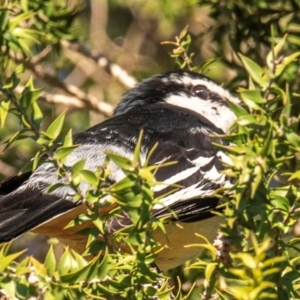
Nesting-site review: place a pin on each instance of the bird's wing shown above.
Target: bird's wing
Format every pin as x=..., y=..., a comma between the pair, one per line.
x=181, y=135
x=197, y=173
x=24, y=210
x=12, y=183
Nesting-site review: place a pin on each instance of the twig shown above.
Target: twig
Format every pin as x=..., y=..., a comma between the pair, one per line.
x=10, y=95
x=41, y=55
x=113, y=69
x=89, y=101
x=71, y=101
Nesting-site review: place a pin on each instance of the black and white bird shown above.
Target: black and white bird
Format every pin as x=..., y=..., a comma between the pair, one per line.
x=184, y=113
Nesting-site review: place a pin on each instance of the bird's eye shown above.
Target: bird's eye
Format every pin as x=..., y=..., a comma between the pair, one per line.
x=201, y=92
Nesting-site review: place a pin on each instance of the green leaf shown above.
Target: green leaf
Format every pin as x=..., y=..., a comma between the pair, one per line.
x=146, y=174
x=24, y=5
x=268, y=147
x=123, y=162
x=273, y=53
x=97, y=267
x=6, y=260
x=258, y=176
x=254, y=70
x=210, y=271
x=50, y=261
x=252, y=99
x=235, y=138
x=26, y=122
x=137, y=149
x=78, y=166
x=129, y=198
x=62, y=153
x=246, y=120
x=4, y=109
x=26, y=34
x=4, y=19
x=29, y=96
x=254, y=96
x=55, y=127
x=296, y=175
x=19, y=135
x=44, y=139
x=286, y=99
x=294, y=139
x=65, y=263
x=238, y=110
x=36, y=115
x=286, y=102
x=150, y=153
x=9, y=286
x=89, y=177
x=15, y=21
x=286, y=61
x=183, y=32
x=272, y=261
x=81, y=262
x=68, y=140
x=55, y=186
x=125, y=183
x=281, y=203
x=23, y=45
x=205, y=66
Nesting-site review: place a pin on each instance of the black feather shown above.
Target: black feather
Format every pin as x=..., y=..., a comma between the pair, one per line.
x=24, y=210
x=12, y=183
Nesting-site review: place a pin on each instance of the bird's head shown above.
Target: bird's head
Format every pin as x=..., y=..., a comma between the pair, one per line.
x=185, y=89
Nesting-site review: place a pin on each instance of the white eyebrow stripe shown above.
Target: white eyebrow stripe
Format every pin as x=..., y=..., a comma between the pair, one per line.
x=210, y=85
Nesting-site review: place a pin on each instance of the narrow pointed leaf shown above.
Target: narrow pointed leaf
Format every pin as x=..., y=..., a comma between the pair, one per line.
x=50, y=261
x=55, y=127
x=254, y=70
x=4, y=108
x=137, y=149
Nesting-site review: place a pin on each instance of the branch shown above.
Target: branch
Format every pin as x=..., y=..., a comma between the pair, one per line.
x=113, y=69
x=41, y=55
x=72, y=101
x=89, y=101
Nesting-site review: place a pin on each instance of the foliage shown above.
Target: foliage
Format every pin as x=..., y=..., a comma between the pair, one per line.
x=111, y=273
x=252, y=28
x=255, y=255
x=253, y=259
